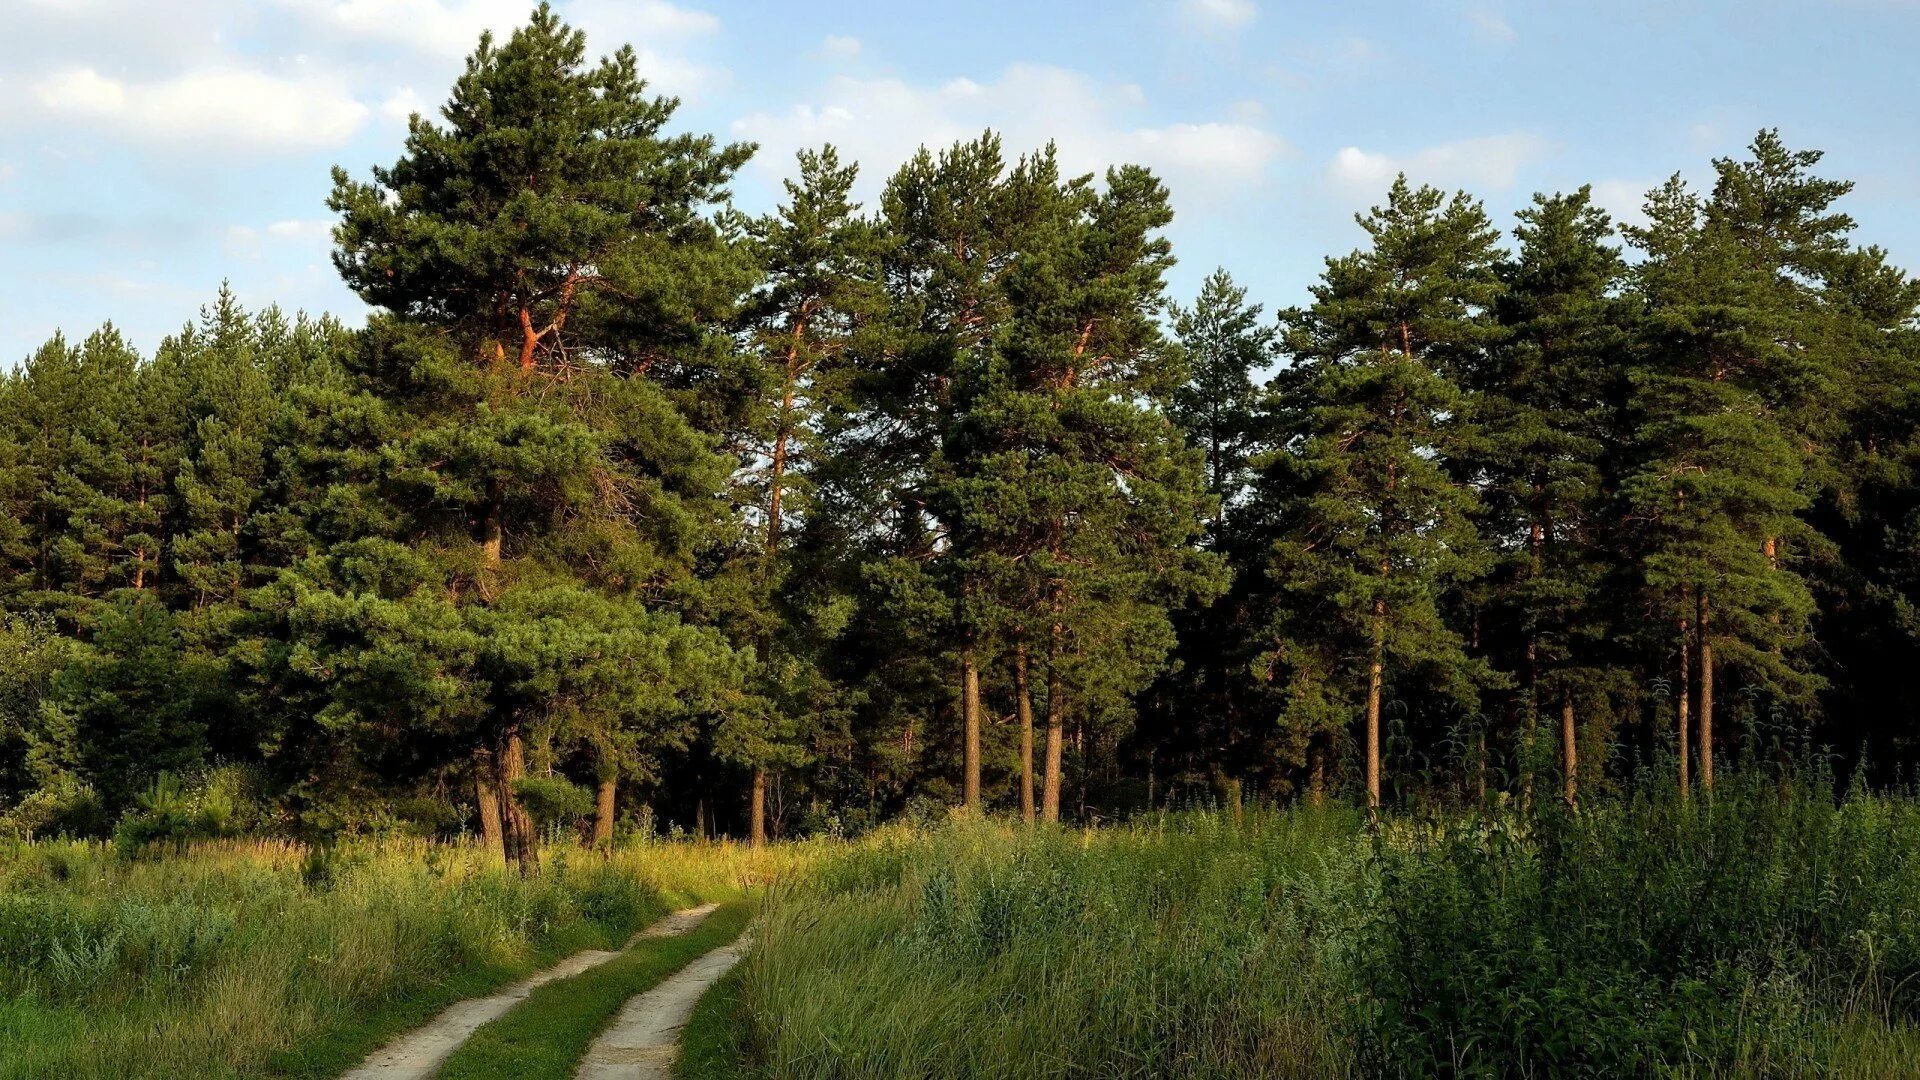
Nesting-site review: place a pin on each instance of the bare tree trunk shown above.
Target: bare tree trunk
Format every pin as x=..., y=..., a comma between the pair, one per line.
x=757, y=810
x=1480, y=769
x=1317, y=768
x=1704, y=623
x=1569, y=749
x=1375, y=671
x=1682, y=714
x=970, y=718
x=487, y=801
x=1023, y=705
x=603, y=811
x=1056, y=733
x=521, y=842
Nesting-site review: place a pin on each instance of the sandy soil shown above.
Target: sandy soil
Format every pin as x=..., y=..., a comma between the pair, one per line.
x=419, y=1053
x=644, y=1039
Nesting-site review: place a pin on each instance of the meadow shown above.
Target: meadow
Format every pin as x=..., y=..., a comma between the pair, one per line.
x=1761, y=932
x=269, y=958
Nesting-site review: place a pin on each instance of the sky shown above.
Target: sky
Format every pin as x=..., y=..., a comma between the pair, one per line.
x=150, y=149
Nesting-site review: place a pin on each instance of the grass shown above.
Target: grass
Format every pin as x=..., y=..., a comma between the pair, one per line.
x=1757, y=933
x=547, y=1034
x=713, y=1045
x=262, y=958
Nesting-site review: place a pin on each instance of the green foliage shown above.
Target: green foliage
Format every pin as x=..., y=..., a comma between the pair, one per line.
x=554, y=801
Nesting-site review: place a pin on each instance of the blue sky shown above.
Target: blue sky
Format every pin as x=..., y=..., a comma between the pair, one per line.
x=151, y=148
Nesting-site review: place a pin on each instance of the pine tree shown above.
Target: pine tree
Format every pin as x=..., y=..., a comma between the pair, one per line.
x=528, y=249
x=1074, y=500
x=1368, y=526
x=1218, y=406
x=819, y=289
x=1544, y=406
x=1730, y=403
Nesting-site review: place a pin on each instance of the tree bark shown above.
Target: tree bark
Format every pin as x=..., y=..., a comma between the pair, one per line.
x=1023, y=705
x=1056, y=733
x=1704, y=624
x=604, y=803
x=1682, y=714
x=1316, y=769
x=522, y=844
x=757, y=810
x=487, y=802
x=1569, y=749
x=1375, y=672
x=970, y=718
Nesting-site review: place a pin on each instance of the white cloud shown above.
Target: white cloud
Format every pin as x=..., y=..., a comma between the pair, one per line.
x=1624, y=200
x=1222, y=14
x=1490, y=27
x=8, y=170
x=840, y=46
x=228, y=108
x=1489, y=162
x=249, y=242
x=880, y=122
x=451, y=28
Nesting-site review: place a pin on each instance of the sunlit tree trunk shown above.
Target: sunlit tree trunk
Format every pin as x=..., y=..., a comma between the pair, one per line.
x=1569, y=749
x=487, y=801
x=1704, y=624
x=757, y=810
x=970, y=718
x=1023, y=705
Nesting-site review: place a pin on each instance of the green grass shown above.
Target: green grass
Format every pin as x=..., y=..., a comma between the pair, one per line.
x=713, y=1045
x=1751, y=934
x=547, y=1034
x=260, y=958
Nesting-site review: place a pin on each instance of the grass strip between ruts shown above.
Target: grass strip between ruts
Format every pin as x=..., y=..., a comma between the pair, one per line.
x=547, y=1034
x=340, y=1048
x=713, y=1046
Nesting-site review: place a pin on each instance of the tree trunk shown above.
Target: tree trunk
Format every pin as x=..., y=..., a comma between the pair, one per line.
x=1569, y=750
x=970, y=717
x=1023, y=705
x=1375, y=672
x=757, y=810
x=603, y=812
x=1682, y=715
x=487, y=801
x=1056, y=734
x=521, y=842
x=1316, y=769
x=1704, y=622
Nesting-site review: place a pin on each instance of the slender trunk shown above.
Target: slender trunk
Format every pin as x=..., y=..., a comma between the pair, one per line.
x=603, y=812
x=1375, y=670
x=1704, y=621
x=700, y=818
x=521, y=842
x=1316, y=768
x=485, y=797
x=1569, y=749
x=757, y=810
x=1056, y=733
x=1480, y=769
x=1682, y=713
x=1023, y=704
x=782, y=434
x=970, y=718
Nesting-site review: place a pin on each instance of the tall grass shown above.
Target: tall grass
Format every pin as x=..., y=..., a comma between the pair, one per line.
x=267, y=958
x=1763, y=932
